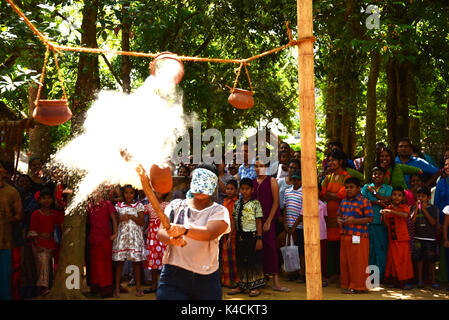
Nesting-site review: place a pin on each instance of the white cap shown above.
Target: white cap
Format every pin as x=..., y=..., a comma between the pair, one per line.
x=446, y=210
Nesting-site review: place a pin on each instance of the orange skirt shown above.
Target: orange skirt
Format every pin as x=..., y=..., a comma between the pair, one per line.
x=353, y=262
x=399, y=260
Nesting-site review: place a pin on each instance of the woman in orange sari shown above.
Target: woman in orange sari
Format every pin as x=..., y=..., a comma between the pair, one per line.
x=333, y=192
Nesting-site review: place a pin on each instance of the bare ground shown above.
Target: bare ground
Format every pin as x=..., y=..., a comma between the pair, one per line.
x=332, y=292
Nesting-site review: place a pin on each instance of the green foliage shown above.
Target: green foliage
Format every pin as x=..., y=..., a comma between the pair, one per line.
x=413, y=31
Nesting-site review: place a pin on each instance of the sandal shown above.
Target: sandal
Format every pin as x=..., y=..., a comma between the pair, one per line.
x=348, y=291
x=116, y=294
x=139, y=293
x=254, y=293
x=236, y=291
x=436, y=286
x=45, y=292
x=149, y=291
x=281, y=289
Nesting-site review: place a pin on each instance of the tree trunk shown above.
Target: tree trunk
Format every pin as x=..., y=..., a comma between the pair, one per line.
x=74, y=231
x=126, y=65
x=73, y=244
x=446, y=136
x=39, y=135
x=415, y=129
x=371, y=110
x=330, y=108
x=397, y=102
x=88, y=79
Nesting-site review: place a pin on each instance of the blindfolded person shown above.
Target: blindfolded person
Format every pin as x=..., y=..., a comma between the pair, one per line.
x=191, y=272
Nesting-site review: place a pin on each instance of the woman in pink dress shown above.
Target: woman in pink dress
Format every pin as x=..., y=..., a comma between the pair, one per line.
x=155, y=248
x=266, y=190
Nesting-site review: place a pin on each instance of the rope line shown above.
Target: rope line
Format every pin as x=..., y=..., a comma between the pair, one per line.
x=57, y=47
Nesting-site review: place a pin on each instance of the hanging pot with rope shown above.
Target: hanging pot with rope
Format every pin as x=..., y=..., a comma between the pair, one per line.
x=168, y=62
x=240, y=98
x=51, y=112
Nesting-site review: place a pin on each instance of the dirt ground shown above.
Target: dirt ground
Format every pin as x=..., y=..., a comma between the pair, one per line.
x=298, y=292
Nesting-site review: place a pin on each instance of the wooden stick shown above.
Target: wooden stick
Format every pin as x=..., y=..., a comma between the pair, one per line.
x=146, y=186
x=308, y=153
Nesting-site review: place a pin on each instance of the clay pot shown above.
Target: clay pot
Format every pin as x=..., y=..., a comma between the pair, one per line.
x=161, y=179
x=168, y=62
x=52, y=112
x=241, y=99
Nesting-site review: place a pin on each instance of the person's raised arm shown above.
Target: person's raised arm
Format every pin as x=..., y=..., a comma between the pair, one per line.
x=400, y=213
x=211, y=231
x=429, y=218
x=414, y=213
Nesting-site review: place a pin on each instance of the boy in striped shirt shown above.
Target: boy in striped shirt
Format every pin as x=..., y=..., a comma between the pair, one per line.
x=354, y=215
x=293, y=219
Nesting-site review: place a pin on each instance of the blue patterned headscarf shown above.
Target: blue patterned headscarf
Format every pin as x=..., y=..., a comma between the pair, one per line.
x=203, y=181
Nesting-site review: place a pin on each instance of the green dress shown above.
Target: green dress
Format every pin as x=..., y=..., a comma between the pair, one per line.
x=396, y=178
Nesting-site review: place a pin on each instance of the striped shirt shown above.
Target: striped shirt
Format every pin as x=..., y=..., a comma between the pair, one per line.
x=293, y=206
x=359, y=207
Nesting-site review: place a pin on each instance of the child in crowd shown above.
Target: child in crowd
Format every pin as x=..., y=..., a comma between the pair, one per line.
x=446, y=240
x=416, y=182
x=379, y=195
x=247, y=225
x=100, y=215
x=425, y=218
x=41, y=233
x=333, y=192
x=129, y=244
x=322, y=213
x=399, y=267
x=293, y=220
x=229, y=276
x=354, y=215
x=282, y=172
x=155, y=248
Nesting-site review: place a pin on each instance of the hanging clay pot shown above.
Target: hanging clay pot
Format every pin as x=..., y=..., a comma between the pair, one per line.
x=52, y=112
x=167, y=62
x=161, y=179
x=241, y=99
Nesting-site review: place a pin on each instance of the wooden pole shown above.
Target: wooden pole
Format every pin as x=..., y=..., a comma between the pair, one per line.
x=308, y=150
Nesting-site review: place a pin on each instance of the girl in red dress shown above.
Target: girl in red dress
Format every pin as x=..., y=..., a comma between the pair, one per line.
x=155, y=248
x=41, y=233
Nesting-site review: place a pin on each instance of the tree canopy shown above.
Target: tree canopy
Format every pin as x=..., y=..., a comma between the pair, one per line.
x=412, y=40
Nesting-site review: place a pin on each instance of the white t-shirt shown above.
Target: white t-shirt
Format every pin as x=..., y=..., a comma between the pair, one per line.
x=196, y=256
x=281, y=172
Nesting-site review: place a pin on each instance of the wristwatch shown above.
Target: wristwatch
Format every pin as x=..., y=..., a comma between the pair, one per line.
x=185, y=232
x=259, y=237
